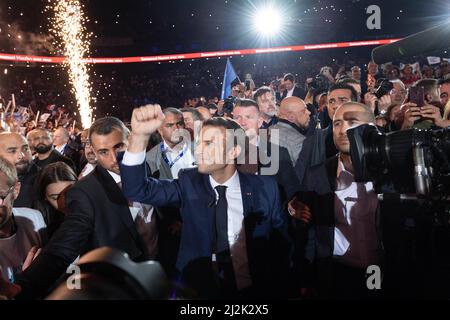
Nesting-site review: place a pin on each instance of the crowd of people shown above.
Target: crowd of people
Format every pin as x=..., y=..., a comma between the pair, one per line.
x=274, y=213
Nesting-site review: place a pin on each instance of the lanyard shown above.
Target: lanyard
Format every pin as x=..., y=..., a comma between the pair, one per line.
x=171, y=163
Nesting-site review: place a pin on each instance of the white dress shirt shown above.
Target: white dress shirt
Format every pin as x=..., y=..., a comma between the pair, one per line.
x=236, y=230
x=61, y=149
x=88, y=168
x=186, y=161
x=346, y=192
x=290, y=92
x=145, y=220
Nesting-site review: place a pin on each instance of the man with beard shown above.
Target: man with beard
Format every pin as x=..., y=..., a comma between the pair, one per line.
x=42, y=143
x=265, y=97
x=99, y=215
x=22, y=230
x=292, y=125
x=14, y=148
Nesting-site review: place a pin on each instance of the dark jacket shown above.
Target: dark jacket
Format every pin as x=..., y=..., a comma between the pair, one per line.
x=98, y=216
x=54, y=156
x=265, y=225
x=298, y=92
x=26, y=195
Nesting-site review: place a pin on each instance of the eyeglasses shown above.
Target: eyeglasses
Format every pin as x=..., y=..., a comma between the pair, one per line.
x=3, y=197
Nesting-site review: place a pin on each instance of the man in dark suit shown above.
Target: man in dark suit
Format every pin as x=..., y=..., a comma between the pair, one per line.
x=320, y=146
x=62, y=143
x=234, y=237
x=289, y=88
x=42, y=142
x=264, y=156
x=99, y=215
x=346, y=233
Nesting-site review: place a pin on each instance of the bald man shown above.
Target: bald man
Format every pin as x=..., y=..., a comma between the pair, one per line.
x=293, y=123
x=347, y=238
x=15, y=149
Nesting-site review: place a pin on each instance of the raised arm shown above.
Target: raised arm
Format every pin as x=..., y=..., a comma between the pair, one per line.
x=135, y=184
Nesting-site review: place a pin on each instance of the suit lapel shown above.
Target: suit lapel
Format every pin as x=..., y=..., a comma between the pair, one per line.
x=247, y=195
x=115, y=196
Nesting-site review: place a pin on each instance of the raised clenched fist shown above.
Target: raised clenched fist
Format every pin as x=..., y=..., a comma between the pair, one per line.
x=146, y=120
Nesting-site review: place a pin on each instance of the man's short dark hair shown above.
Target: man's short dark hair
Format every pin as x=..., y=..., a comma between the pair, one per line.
x=262, y=91
x=246, y=103
x=228, y=124
x=289, y=77
x=106, y=125
x=348, y=80
x=196, y=115
x=444, y=81
x=174, y=111
x=343, y=86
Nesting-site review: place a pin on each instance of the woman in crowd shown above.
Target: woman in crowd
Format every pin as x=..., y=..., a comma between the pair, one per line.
x=51, y=186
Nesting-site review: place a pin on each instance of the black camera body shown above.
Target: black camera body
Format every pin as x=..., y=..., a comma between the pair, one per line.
x=319, y=84
x=414, y=162
x=385, y=86
x=228, y=105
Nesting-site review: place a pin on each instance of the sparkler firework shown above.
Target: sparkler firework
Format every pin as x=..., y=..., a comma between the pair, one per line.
x=68, y=25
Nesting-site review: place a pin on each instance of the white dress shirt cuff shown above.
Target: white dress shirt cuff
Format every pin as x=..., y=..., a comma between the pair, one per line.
x=133, y=159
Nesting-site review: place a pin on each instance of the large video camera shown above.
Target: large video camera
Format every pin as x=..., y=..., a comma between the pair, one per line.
x=410, y=165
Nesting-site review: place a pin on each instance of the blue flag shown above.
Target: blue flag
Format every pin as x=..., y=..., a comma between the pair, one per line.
x=228, y=78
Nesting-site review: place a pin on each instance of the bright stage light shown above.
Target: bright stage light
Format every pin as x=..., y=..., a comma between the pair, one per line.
x=268, y=21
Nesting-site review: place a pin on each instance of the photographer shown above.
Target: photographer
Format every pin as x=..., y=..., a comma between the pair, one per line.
x=390, y=94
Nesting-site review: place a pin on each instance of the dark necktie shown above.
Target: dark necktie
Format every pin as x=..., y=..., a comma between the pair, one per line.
x=224, y=263
x=222, y=220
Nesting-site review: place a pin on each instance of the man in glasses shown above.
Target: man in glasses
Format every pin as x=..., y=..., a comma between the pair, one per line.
x=22, y=230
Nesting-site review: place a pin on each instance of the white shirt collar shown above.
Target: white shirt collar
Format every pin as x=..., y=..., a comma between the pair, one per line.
x=231, y=183
x=61, y=149
x=177, y=147
x=341, y=168
x=115, y=176
x=291, y=92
